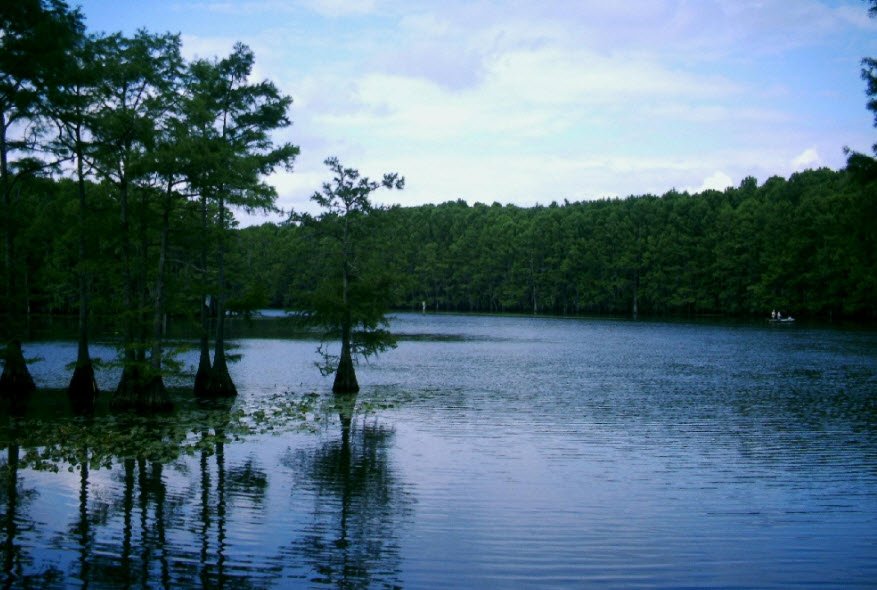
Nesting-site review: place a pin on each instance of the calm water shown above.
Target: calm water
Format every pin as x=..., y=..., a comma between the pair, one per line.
x=484, y=452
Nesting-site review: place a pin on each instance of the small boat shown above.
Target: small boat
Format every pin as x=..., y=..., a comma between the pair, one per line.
x=785, y=320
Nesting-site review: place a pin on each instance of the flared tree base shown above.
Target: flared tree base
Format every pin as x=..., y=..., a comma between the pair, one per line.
x=138, y=393
x=219, y=383
x=15, y=381
x=155, y=397
x=202, y=380
x=345, y=376
x=82, y=390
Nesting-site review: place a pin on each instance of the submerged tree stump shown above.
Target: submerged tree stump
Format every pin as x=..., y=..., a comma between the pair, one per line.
x=15, y=382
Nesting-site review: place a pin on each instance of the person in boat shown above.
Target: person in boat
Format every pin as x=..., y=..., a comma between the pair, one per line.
x=773, y=315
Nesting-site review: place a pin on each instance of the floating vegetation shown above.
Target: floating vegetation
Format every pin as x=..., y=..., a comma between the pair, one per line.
x=49, y=437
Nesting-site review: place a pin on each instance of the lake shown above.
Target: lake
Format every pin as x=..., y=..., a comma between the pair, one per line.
x=483, y=452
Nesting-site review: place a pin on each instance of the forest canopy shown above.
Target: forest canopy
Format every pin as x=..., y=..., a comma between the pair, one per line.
x=803, y=245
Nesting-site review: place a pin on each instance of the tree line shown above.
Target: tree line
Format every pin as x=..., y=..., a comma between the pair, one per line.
x=803, y=245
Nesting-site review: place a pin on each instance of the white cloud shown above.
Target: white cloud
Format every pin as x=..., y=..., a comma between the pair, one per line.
x=526, y=94
x=809, y=158
x=529, y=179
x=717, y=181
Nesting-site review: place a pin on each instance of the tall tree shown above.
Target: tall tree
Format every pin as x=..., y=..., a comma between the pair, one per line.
x=71, y=103
x=233, y=119
x=346, y=298
x=34, y=38
x=170, y=169
x=863, y=169
x=136, y=93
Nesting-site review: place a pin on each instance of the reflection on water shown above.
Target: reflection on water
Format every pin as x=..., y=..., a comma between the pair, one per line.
x=482, y=452
x=328, y=513
x=352, y=539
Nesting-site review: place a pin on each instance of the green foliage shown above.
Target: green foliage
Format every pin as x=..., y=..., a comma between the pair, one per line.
x=52, y=439
x=346, y=290
x=36, y=38
x=160, y=149
x=802, y=245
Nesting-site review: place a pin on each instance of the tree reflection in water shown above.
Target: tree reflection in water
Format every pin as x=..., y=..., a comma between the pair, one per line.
x=14, y=498
x=133, y=553
x=121, y=541
x=145, y=514
x=359, y=506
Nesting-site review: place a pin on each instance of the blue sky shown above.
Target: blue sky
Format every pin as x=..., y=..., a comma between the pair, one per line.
x=528, y=102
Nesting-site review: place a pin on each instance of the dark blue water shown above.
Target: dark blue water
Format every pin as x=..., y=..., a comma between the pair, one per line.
x=502, y=452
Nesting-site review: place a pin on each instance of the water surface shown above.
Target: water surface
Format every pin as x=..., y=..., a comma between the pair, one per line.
x=483, y=452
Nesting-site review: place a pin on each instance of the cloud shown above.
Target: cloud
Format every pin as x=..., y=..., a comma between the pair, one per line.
x=717, y=181
x=809, y=158
x=527, y=94
x=529, y=179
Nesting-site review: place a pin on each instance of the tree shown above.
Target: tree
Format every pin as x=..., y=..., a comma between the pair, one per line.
x=345, y=299
x=230, y=122
x=71, y=103
x=863, y=170
x=34, y=38
x=138, y=76
x=861, y=165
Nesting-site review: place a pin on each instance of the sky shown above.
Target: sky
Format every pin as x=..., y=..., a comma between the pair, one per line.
x=526, y=102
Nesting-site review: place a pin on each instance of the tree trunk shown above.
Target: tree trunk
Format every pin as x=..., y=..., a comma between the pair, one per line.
x=155, y=394
x=220, y=383
x=142, y=316
x=202, y=376
x=345, y=374
x=82, y=389
x=125, y=396
x=6, y=188
x=16, y=384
